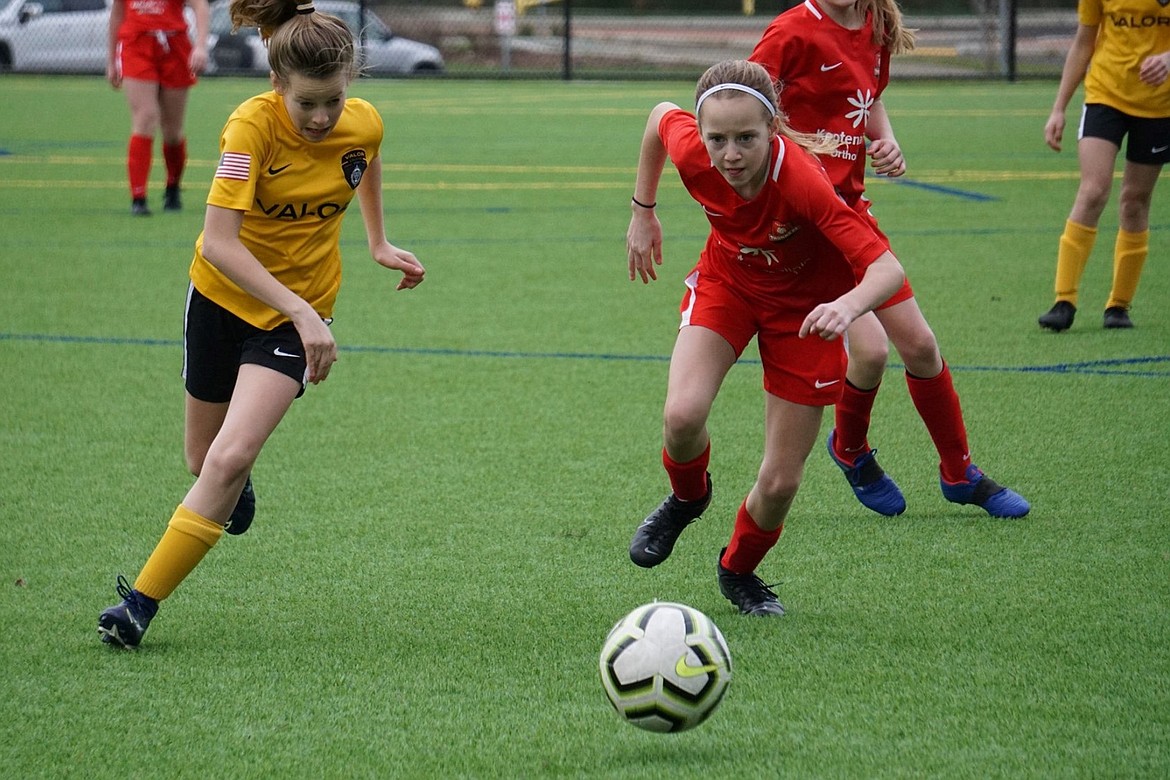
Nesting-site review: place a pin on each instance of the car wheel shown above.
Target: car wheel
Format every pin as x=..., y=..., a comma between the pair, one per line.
x=5, y=58
x=231, y=54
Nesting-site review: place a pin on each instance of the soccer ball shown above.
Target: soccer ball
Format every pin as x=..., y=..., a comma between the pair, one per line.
x=665, y=667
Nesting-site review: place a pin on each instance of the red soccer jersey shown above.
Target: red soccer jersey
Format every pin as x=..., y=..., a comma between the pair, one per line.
x=152, y=16
x=829, y=77
x=806, y=240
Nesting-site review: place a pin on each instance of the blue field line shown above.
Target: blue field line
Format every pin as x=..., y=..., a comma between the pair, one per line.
x=941, y=190
x=1107, y=367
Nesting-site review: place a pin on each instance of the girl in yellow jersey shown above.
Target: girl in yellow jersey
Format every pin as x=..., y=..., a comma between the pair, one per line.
x=264, y=279
x=1122, y=53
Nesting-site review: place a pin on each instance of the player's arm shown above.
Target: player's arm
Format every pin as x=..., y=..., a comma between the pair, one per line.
x=644, y=235
x=882, y=279
x=369, y=192
x=117, y=14
x=1076, y=65
x=198, y=62
x=224, y=250
x=884, y=152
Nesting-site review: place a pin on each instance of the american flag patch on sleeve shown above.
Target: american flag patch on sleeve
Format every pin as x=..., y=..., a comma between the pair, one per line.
x=234, y=165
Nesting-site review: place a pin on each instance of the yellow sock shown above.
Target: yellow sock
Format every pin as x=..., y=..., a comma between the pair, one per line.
x=1129, y=255
x=1076, y=244
x=187, y=539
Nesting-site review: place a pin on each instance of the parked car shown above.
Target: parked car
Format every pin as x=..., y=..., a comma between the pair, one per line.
x=383, y=51
x=54, y=35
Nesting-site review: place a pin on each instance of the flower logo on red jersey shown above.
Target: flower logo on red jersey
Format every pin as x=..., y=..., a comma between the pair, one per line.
x=862, y=103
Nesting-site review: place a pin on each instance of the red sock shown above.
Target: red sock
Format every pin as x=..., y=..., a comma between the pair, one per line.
x=852, y=422
x=938, y=406
x=138, y=156
x=749, y=543
x=175, y=156
x=688, y=480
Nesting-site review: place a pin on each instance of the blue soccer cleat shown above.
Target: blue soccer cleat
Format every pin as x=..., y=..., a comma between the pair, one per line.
x=981, y=490
x=873, y=487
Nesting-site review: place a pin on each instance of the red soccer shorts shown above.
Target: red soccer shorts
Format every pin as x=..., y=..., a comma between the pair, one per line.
x=160, y=57
x=808, y=371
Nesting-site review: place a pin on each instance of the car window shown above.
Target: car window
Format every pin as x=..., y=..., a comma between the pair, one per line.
x=83, y=5
x=376, y=29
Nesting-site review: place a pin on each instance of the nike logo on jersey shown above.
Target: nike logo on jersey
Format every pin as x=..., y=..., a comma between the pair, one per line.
x=281, y=353
x=827, y=68
x=273, y=171
x=1159, y=149
x=819, y=384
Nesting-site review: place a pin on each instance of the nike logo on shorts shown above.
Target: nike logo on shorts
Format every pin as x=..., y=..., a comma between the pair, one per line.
x=1159, y=149
x=281, y=353
x=819, y=384
x=827, y=68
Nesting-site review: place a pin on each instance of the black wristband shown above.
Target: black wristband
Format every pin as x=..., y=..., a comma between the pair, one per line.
x=644, y=205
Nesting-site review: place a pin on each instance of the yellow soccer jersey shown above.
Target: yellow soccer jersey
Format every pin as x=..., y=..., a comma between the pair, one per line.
x=1130, y=31
x=293, y=194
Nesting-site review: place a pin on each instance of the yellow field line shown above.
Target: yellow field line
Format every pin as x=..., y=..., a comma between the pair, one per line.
x=576, y=170
x=41, y=184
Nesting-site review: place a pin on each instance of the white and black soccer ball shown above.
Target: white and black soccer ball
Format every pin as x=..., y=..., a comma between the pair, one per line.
x=665, y=667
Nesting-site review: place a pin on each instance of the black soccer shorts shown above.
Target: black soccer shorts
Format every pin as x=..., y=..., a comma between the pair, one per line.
x=216, y=343
x=1149, y=139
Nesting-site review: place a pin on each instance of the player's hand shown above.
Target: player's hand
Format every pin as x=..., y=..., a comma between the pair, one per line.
x=1054, y=130
x=114, y=75
x=886, y=157
x=1155, y=69
x=828, y=320
x=198, y=61
x=389, y=256
x=644, y=245
x=320, y=348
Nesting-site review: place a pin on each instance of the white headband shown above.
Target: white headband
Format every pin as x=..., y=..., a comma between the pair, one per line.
x=739, y=88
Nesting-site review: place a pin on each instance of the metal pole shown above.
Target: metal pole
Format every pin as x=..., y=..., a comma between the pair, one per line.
x=1007, y=25
x=567, y=64
x=362, y=24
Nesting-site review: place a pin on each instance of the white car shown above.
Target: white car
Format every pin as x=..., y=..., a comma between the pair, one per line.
x=383, y=52
x=54, y=35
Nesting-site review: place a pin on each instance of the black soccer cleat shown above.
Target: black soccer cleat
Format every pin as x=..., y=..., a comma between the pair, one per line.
x=241, y=518
x=654, y=540
x=1059, y=317
x=748, y=592
x=138, y=208
x=171, y=199
x=124, y=624
x=1117, y=317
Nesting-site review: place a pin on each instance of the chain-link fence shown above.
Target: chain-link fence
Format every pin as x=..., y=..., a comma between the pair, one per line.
x=570, y=39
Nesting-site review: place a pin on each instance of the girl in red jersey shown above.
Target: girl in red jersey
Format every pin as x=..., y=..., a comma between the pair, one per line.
x=1122, y=54
x=264, y=281
x=153, y=60
x=779, y=264
x=831, y=59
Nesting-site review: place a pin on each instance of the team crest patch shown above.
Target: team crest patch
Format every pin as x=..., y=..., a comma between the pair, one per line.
x=353, y=165
x=782, y=231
